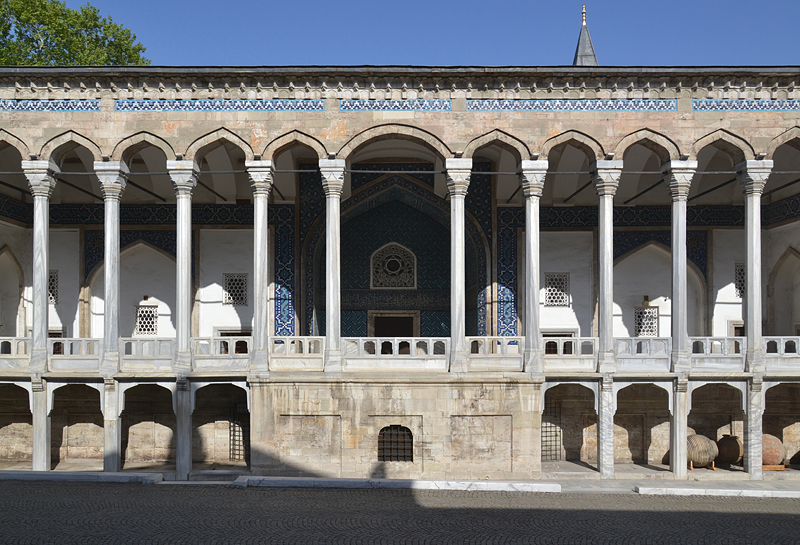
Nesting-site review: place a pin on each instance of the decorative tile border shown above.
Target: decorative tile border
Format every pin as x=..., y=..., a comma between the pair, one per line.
x=744, y=105
x=396, y=105
x=50, y=105
x=220, y=105
x=573, y=105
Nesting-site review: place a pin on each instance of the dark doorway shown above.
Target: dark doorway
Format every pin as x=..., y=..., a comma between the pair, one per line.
x=394, y=326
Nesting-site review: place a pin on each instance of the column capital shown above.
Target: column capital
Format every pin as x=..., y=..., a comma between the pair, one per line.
x=606, y=175
x=532, y=177
x=753, y=176
x=679, y=174
x=183, y=175
x=332, y=171
x=261, y=174
x=458, y=173
x=113, y=176
x=41, y=175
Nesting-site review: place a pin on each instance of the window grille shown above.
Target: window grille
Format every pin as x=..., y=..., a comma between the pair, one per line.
x=551, y=430
x=146, y=320
x=645, y=322
x=395, y=444
x=52, y=287
x=738, y=280
x=556, y=289
x=234, y=289
x=393, y=266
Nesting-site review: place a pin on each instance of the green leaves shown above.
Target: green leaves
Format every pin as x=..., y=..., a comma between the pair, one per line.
x=48, y=33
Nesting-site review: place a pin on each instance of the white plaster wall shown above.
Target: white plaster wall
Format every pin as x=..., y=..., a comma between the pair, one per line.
x=221, y=252
x=9, y=297
x=565, y=252
x=19, y=240
x=143, y=271
x=65, y=257
x=728, y=249
x=782, y=309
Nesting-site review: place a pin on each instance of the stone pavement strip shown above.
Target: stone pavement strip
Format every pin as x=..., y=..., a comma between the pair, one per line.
x=33, y=512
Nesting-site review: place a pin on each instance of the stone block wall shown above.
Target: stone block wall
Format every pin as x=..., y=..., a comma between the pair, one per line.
x=212, y=420
x=77, y=424
x=16, y=425
x=148, y=425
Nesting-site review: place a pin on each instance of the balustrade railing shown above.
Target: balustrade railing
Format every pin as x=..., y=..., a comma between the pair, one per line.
x=287, y=347
x=718, y=346
x=82, y=348
x=782, y=346
x=495, y=346
x=642, y=347
x=14, y=347
x=411, y=347
x=221, y=346
x=146, y=347
x=569, y=346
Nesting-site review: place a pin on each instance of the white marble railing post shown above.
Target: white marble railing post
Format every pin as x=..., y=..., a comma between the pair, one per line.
x=458, y=175
x=678, y=448
x=679, y=174
x=332, y=171
x=533, y=175
x=41, y=177
x=113, y=178
x=184, y=179
x=753, y=177
x=607, y=174
x=261, y=178
x=605, y=428
x=753, y=431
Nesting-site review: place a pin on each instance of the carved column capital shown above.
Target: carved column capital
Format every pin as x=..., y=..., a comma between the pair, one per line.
x=458, y=174
x=606, y=176
x=113, y=176
x=679, y=174
x=753, y=176
x=261, y=174
x=532, y=178
x=183, y=175
x=41, y=177
x=332, y=171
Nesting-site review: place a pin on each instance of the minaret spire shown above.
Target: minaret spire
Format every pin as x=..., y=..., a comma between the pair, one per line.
x=584, y=54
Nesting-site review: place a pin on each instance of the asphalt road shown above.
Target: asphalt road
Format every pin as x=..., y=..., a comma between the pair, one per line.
x=107, y=513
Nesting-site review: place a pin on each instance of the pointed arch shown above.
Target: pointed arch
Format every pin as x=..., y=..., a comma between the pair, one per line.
x=6, y=251
x=501, y=138
x=64, y=142
x=136, y=142
x=738, y=148
x=663, y=147
x=294, y=137
x=668, y=252
x=14, y=142
x=125, y=250
x=198, y=148
x=390, y=131
x=772, y=304
x=20, y=318
x=584, y=142
x=791, y=137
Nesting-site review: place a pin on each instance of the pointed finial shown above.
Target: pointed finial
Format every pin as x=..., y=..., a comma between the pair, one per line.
x=584, y=15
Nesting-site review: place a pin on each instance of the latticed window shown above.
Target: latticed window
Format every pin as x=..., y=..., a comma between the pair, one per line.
x=645, y=322
x=738, y=279
x=393, y=266
x=146, y=320
x=556, y=289
x=395, y=444
x=52, y=287
x=234, y=289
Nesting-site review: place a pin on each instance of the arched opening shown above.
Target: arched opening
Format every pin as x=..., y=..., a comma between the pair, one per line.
x=77, y=428
x=16, y=428
x=716, y=411
x=782, y=418
x=148, y=428
x=12, y=308
x=220, y=428
x=569, y=429
x=642, y=426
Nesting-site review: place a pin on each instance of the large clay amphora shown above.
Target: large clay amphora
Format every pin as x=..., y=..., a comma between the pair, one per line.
x=731, y=449
x=702, y=450
x=772, y=451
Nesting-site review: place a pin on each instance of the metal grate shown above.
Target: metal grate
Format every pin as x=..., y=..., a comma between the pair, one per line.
x=234, y=289
x=146, y=320
x=238, y=431
x=645, y=321
x=551, y=431
x=738, y=279
x=395, y=444
x=556, y=289
x=52, y=287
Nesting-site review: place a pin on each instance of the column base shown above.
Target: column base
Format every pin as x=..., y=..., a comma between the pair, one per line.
x=333, y=361
x=183, y=362
x=459, y=362
x=754, y=361
x=681, y=363
x=532, y=361
x=259, y=363
x=38, y=361
x=109, y=364
x=606, y=363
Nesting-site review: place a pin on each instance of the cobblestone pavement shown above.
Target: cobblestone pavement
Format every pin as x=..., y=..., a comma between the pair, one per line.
x=53, y=512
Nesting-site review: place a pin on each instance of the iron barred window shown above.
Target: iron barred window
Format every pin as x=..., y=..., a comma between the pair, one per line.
x=395, y=444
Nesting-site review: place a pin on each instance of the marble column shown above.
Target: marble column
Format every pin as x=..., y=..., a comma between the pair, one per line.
x=41, y=177
x=458, y=174
x=184, y=179
x=112, y=427
x=679, y=429
x=753, y=176
x=533, y=174
x=261, y=177
x=183, y=430
x=753, y=429
x=332, y=171
x=606, y=174
x=41, y=425
x=679, y=174
x=605, y=429
x=113, y=178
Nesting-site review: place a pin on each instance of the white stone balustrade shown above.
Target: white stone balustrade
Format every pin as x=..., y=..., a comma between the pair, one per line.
x=718, y=353
x=570, y=354
x=296, y=353
x=146, y=353
x=396, y=353
x=495, y=353
x=782, y=353
x=221, y=353
x=14, y=353
x=73, y=354
x=651, y=354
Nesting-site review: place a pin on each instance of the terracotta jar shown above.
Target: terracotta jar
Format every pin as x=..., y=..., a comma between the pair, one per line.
x=772, y=450
x=702, y=450
x=731, y=449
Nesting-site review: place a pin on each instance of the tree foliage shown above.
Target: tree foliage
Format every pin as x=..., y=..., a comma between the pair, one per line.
x=48, y=33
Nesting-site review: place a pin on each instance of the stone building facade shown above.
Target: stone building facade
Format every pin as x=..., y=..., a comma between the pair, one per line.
x=406, y=271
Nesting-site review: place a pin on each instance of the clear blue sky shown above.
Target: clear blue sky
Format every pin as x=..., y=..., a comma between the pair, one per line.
x=469, y=32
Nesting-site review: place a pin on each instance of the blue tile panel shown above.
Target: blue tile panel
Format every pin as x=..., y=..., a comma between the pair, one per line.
x=509, y=219
x=744, y=105
x=396, y=105
x=50, y=105
x=283, y=216
x=573, y=105
x=17, y=211
x=354, y=323
x=220, y=105
x=479, y=196
x=93, y=243
x=358, y=180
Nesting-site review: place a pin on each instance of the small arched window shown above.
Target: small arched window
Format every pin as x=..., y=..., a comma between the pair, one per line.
x=395, y=444
x=393, y=267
